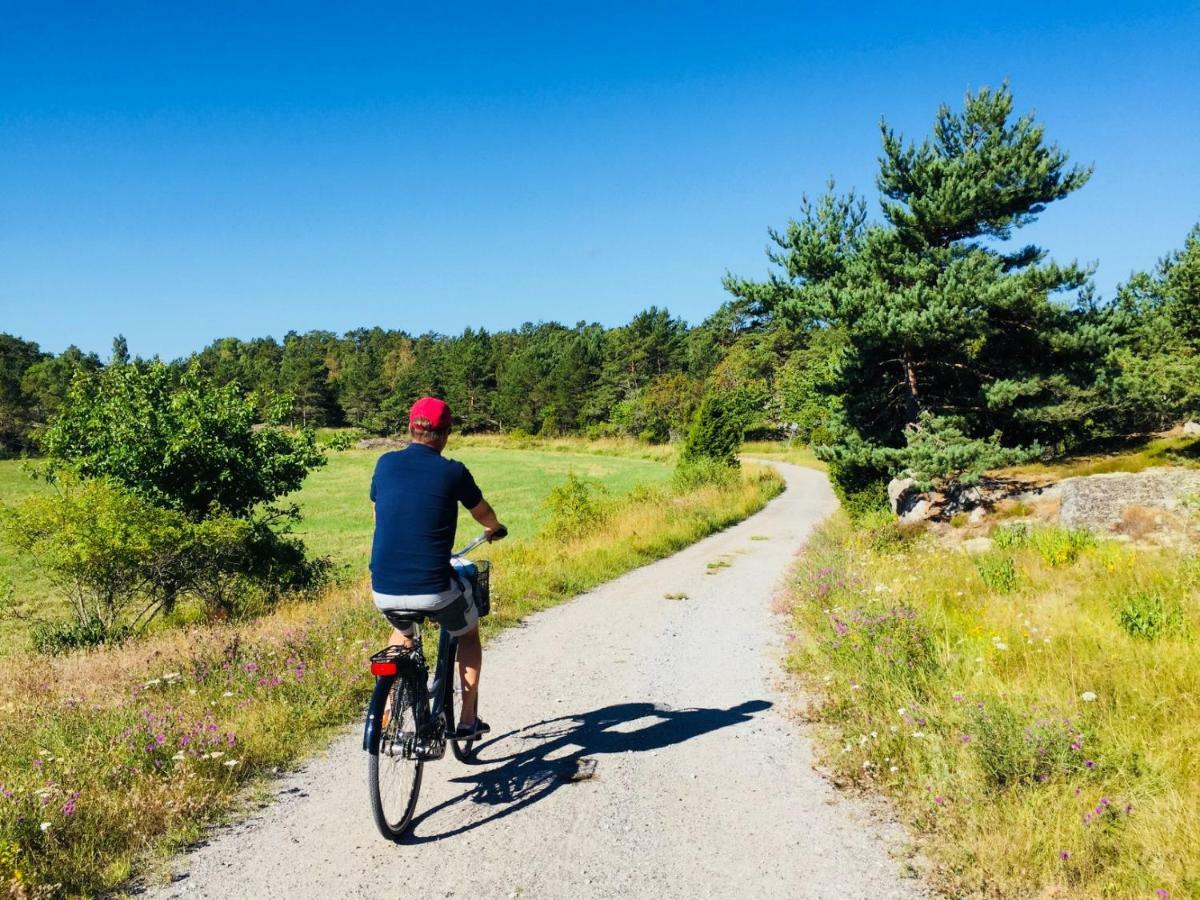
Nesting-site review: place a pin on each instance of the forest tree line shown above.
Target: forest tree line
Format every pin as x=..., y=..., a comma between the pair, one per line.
x=923, y=338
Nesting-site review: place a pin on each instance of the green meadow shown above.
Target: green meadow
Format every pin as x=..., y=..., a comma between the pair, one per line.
x=337, y=509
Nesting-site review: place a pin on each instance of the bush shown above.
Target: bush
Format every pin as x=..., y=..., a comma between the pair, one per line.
x=191, y=447
x=575, y=506
x=1012, y=536
x=1148, y=614
x=716, y=433
x=102, y=546
x=690, y=475
x=1016, y=748
x=1060, y=546
x=998, y=571
x=862, y=489
x=56, y=638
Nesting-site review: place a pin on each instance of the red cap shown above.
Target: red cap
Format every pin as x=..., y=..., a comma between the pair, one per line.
x=433, y=410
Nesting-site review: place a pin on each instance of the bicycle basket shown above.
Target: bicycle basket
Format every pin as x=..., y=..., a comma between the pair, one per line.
x=483, y=592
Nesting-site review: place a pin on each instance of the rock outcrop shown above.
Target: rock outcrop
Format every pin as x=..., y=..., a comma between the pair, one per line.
x=1106, y=501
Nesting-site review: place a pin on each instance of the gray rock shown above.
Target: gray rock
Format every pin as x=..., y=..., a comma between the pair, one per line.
x=917, y=511
x=1101, y=501
x=1191, y=428
x=898, y=490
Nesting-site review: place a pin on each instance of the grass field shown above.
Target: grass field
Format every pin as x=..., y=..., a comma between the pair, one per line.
x=337, y=510
x=1033, y=711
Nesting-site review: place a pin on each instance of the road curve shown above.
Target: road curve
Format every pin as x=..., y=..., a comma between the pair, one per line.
x=704, y=786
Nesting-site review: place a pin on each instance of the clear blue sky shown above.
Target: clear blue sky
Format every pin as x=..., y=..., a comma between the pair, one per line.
x=178, y=172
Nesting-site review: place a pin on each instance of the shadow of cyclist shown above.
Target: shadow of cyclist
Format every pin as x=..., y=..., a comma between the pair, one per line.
x=548, y=752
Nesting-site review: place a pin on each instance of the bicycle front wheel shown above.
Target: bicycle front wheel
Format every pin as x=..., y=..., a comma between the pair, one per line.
x=463, y=750
x=394, y=770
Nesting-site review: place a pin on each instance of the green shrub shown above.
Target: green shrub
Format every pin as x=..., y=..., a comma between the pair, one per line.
x=1148, y=614
x=998, y=571
x=1012, y=536
x=693, y=474
x=1015, y=747
x=862, y=489
x=1060, y=546
x=56, y=638
x=716, y=433
x=575, y=506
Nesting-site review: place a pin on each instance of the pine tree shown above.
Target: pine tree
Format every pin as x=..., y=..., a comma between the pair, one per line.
x=941, y=317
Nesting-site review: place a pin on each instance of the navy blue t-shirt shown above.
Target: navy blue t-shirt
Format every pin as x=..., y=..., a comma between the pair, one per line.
x=416, y=491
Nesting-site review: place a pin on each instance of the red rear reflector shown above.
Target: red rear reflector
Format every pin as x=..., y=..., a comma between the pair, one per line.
x=383, y=668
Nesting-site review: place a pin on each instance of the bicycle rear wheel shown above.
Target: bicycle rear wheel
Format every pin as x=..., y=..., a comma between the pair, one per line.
x=394, y=770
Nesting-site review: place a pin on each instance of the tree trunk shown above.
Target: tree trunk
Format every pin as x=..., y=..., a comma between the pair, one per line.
x=913, y=406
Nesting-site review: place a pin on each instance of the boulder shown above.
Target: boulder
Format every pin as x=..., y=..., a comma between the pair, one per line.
x=898, y=490
x=917, y=511
x=1191, y=428
x=1104, y=501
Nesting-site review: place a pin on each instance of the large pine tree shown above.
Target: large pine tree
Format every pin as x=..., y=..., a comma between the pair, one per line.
x=947, y=323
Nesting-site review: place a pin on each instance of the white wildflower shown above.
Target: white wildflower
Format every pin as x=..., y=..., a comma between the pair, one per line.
x=151, y=683
x=893, y=769
x=902, y=711
x=230, y=763
x=45, y=826
x=1088, y=696
x=918, y=734
x=227, y=694
x=894, y=728
x=1000, y=645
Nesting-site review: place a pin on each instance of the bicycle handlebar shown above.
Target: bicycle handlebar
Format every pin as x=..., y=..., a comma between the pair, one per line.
x=496, y=535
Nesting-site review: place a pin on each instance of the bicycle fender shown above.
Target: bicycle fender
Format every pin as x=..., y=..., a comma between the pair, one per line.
x=383, y=685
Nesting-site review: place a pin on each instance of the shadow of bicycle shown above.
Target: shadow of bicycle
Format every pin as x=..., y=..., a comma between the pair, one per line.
x=547, y=755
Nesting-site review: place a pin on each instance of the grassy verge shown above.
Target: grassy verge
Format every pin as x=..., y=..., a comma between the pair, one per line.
x=1032, y=711
x=110, y=756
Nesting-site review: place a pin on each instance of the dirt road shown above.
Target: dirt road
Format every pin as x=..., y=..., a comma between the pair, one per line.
x=704, y=786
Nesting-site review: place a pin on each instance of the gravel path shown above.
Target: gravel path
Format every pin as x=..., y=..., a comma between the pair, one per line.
x=704, y=787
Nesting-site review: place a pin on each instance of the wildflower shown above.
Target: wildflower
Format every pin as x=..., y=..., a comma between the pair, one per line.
x=893, y=769
x=1162, y=894
x=966, y=739
x=45, y=826
x=230, y=763
x=227, y=694
x=1088, y=696
x=1089, y=763
x=1000, y=645
x=918, y=734
x=151, y=683
x=1063, y=854
x=902, y=711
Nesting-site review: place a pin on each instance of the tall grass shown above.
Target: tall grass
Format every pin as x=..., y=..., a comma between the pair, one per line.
x=1034, y=713
x=110, y=756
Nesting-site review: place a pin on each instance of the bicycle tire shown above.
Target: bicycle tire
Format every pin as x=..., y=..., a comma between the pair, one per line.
x=463, y=751
x=391, y=767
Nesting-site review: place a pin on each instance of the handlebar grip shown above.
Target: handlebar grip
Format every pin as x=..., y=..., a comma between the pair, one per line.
x=498, y=534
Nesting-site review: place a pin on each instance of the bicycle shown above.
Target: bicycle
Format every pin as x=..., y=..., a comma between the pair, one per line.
x=409, y=719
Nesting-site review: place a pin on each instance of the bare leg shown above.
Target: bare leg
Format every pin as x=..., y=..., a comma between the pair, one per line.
x=470, y=658
x=399, y=639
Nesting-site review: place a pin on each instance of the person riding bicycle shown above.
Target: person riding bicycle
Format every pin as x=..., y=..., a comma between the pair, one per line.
x=415, y=493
